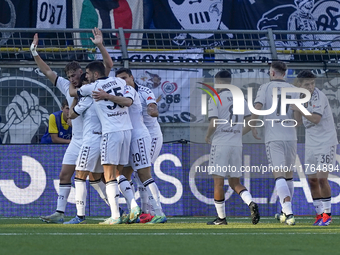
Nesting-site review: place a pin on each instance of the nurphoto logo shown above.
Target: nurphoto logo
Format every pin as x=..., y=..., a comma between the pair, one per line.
x=279, y=100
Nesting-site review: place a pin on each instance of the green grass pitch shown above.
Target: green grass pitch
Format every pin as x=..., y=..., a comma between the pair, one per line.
x=181, y=235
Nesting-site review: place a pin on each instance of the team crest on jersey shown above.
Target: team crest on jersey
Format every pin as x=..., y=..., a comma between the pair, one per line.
x=149, y=98
x=169, y=87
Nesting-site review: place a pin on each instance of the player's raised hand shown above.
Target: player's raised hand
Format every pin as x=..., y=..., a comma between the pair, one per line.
x=98, y=36
x=34, y=45
x=99, y=95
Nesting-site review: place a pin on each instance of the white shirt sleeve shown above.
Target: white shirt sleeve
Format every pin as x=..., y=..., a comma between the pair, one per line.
x=319, y=105
x=83, y=104
x=86, y=90
x=63, y=85
x=149, y=97
x=260, y=96
x=129, y=92
x=212, y=109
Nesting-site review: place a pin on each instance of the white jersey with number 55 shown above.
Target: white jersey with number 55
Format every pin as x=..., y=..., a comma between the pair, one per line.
x=112, y=116
x=275, y=130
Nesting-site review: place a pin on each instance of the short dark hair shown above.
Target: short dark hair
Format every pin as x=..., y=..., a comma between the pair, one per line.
x=82, y=78
x=72, y=66
x=279, y=66
x=224, y=74
x=64, y=103
x=305, y=74
x=123, y=70
x=96, y=66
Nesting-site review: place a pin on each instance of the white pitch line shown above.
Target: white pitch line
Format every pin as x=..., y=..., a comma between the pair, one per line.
x=174, y=219
x=162, y=234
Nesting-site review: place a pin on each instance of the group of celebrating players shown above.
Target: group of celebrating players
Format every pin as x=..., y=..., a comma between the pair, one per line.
x=116, y=133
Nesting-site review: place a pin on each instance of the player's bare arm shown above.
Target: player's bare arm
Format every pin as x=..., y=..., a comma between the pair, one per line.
x=211, y=130
x=152, y=110
x=102, y=95
x=247, y=128
x=73, y=90
x=314, y=118
x=297, y=114
x=258, y=106
x=72, y=114
x=98, y=41
x=44, y=68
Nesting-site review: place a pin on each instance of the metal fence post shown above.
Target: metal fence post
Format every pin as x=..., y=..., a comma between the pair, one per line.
x=123, y=47
x=272, y=43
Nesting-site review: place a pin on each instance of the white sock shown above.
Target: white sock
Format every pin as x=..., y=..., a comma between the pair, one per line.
x=153, y=193
x=144, y=197
x=132, y=188
x=112, y=196
x=287, y=208
x=125, y=189
x=283, y=192
x=81, y=193
x=64, y=192
x=220, y=208
x=327, y=206
x=100, y=187
x=246, y=196
x=290, y=184
x=318, y=205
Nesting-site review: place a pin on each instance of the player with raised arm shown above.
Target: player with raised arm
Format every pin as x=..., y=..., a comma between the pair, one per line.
x=320, y=146
x=116, y=135
x=226, y=150
x=141, y=146
x=89, y=155
x=73, y=72
x=281, y=141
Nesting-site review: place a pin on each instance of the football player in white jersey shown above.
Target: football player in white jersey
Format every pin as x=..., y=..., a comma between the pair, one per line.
x=281, y=141
x=73, y=71
x=150, y=114
x=116, y=135
x=226, y=150
x=320, y=146
x=141, y=147
x=89, y=155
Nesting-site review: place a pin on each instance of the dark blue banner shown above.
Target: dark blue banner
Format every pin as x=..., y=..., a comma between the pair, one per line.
x=288, y=15
x=29, y=183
